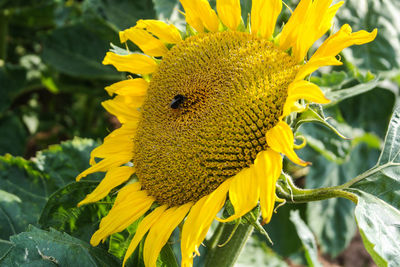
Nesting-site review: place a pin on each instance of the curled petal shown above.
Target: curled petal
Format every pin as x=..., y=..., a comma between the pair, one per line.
x=342, y=39
x=280, y=139
x=302, y=90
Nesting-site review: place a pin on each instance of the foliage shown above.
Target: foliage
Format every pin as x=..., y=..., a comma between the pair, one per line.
x=51, y=86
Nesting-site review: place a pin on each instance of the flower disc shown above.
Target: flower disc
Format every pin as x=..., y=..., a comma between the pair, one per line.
x=208, y=107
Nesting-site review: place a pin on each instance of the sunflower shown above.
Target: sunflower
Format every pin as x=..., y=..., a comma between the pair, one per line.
x=205, y=120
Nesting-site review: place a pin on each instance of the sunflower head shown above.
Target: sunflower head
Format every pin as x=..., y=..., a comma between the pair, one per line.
x=206, y=119
x=208, y=107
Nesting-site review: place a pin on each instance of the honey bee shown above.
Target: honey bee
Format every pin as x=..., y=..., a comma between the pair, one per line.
x=177, y=101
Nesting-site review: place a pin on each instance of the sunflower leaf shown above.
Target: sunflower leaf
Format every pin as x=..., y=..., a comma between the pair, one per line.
x=379, y=225
x=79, y=49
x=257, y=253
x=61, y=211
x=41, y=248
x=383, y=180
x=339, y=95
x=307, y=239
x=64, y=161
x=281, y=228
x=23, y=194
x=119, y=14
x=384, y=52
x=332, y=220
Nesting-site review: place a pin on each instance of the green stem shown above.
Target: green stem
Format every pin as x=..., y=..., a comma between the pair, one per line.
x=293, y=194
x=227, y=255
x=289, y=192
x=3, y=34
x=216, y=236
x=366, y=174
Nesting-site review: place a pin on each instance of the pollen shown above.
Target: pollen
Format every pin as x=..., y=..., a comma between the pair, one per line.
x=208, y=107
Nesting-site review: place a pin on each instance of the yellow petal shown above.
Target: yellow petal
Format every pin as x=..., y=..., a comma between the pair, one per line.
x=264, y=15
x=230, y=13
x=121, y=146
x=134, y=63
x=314, y=64
x=121, y=110
x=244, y=193
x=161, y=231
x=199, y=221
x=302, y=89
x=144, y=226
x=268, y=168
x=113, y=178
x=104, y=165
x=199, y=14
x=318, y=22
x=280, y=139
x=342, y=39
x=290, y=31
x=126, y=130
x=309, y=21
x=165, y=32
x=145, y=41
x=308, y=91
x=129, y=206
x=130, y=87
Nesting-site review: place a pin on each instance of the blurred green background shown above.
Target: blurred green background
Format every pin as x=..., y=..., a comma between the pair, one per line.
x=51, y=86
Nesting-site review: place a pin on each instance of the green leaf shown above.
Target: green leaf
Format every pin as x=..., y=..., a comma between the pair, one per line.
x=379, y=225
x=391, y=149
x=12, y=80
x=63, y=162
x=39, y=14
x=61, y=211
x=338, y=86
x=20, y=3
x=13, y=135
x=338, y=95
x=281, y=229
x=168, y=11
x=332, y=220
x=23, y=194
x=307, y=239
x=384, y=52
x=79, y=49
x=383, y=180
x=121, y=14
x=257, y=253
x=332, y=144
x=119, y=242
x=167, y=257
x=41, y=248
x=357, y=111
x=315, y=115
